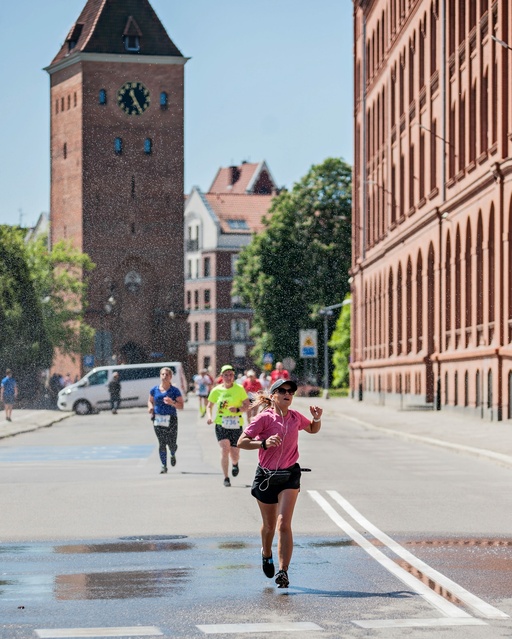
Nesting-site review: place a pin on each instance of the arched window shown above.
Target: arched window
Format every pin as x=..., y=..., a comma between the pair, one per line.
x=456, y=389
x=391, y=335
x=478, y=397
x=408, y=309
x=489, y=389
x=102, y=97
x=479, y=271
x=446, y=394
x=148, y=146
x=490, y=254
x=467, y=256
x=458, y=288
x=431, y=305
x=163, y=100
x=466, y=389
x=448, y=285
x=118, y=146
x=419, y=303
x=399, y=330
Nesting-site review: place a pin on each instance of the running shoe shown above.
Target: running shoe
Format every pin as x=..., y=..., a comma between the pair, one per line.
x=173, y=460
x=282, y=579
x=164, y=470
x=267, y=565
x=227, y=483
x=235, y=470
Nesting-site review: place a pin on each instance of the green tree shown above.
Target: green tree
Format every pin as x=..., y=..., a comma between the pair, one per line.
x=24, y=342
x=340, y=343
x=59, y=277
x=299, y=262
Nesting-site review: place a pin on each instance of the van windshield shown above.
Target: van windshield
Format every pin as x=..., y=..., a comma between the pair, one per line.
x=98, y=377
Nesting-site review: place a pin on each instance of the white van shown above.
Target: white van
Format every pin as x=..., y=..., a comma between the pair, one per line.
x=91, y=394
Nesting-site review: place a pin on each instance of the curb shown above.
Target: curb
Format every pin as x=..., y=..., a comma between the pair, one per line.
x=32, y=428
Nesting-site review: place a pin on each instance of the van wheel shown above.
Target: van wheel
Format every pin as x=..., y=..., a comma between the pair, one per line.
x=82, y=407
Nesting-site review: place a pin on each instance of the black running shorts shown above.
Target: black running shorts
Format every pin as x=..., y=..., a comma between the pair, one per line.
x=233, y=434
x=269, y=494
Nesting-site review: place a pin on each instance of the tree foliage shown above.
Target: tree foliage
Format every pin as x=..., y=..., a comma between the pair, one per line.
x=59, y=277
x=24, y=342
x=42, y=297
x=299, y=263
x=340, y=344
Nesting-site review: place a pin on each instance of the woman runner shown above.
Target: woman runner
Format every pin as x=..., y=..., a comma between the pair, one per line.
x=163, y=402
x=275, y=433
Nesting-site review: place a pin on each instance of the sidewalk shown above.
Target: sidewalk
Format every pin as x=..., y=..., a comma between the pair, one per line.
x=466, y=434
x=26, y=420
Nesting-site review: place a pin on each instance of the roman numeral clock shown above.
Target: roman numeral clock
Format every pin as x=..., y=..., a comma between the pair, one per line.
x=133, y=98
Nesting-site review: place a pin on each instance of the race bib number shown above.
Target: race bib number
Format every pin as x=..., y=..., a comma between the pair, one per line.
x=230, y=422
x=162, y=420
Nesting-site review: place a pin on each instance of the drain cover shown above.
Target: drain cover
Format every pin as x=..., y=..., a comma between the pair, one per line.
x=152, y=537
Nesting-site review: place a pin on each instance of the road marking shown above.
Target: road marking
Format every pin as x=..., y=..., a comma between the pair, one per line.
x=418, y=623
x=476, y=604
x=24, y=454
x=130, y=631
x=232, y=628
x=444, y=606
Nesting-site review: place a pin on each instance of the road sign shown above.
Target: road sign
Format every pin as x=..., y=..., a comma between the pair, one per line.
x=268, y=358
x=308, y=343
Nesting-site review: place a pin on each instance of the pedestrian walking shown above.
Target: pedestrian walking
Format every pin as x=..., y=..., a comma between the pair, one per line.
x=163, y=402
x=279, y=372
x=114, y=389
x=8, y=393
x=231, y=401
x=274, y=432
x=203, y=386
x=252, y=387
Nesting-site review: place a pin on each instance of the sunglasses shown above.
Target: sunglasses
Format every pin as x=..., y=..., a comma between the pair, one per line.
x=283, y=391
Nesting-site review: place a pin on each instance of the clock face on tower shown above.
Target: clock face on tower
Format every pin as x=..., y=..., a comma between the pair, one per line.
x=133, y=98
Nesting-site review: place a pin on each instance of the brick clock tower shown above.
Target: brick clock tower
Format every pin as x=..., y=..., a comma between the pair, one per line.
x=117, y=176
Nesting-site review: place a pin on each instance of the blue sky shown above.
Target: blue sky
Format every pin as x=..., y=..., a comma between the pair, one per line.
x=267, y=79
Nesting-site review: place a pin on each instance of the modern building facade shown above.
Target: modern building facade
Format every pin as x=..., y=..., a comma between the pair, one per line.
x=432, y=205
x=218, y=224
x=116, y=96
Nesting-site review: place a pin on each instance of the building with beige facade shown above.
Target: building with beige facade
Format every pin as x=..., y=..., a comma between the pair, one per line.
x=218, y=225
x=432, y=205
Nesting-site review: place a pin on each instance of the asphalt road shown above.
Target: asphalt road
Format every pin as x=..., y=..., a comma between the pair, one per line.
x=392, y=538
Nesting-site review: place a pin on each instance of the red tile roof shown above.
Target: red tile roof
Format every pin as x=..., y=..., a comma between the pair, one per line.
x=241, y=179
x=239, y=208
x=104, y=23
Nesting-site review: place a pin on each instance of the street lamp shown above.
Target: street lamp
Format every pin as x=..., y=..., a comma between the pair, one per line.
x=327, y=312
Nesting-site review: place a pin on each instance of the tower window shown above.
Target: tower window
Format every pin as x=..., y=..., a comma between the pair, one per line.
x=102, y=97
x=118, y=146
x=65, y=150
x=163, y=100
x=133, y=228
x=74, y=99
x=131, y=43
x=133, y=185
x=56, y=106
x=148, y=146
x=62, y=104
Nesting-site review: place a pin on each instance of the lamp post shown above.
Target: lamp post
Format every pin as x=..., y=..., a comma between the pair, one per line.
x=326, y=312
